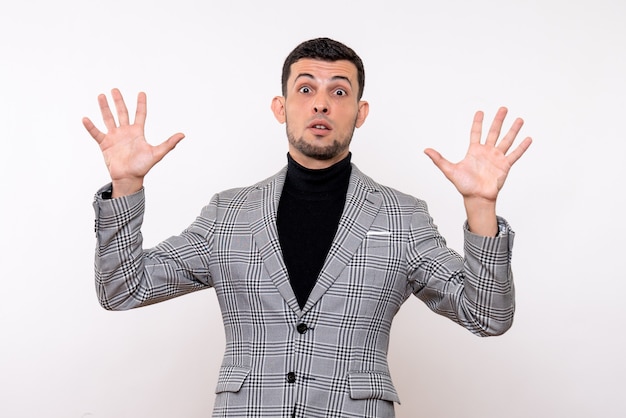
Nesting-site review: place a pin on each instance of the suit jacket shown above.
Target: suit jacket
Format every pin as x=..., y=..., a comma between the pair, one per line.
x=328, y=359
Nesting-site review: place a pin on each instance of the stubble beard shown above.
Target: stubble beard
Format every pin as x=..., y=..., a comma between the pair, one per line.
x=317, y=152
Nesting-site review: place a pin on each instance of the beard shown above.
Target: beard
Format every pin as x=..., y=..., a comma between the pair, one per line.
x=319, y=152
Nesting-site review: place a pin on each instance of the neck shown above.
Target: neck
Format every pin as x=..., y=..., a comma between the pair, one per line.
x=313, y=163
x=324, y=180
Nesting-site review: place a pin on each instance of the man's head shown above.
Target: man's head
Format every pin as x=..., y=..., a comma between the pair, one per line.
x=324, y=49
x=321, y=103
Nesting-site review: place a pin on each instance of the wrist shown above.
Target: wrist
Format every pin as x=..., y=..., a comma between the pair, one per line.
x=481, y=216
x=125, y=187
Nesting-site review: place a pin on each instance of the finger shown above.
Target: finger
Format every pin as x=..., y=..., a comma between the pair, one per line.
x=107, y=116
x=519, y=151
x=510, y=136
x=164, y=148
x=496, y=126
x=142, y=109
x=120, y=106
x=93, y=131
x=442, y=164
x=477, y=127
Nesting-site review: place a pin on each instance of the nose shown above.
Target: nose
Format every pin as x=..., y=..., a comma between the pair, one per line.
x=320, y=109
x=320, y=104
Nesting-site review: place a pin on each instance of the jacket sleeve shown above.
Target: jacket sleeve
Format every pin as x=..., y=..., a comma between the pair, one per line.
x=476, y=291
x=126, y=275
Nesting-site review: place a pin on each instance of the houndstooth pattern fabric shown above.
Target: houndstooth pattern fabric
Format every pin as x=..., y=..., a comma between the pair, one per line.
x=330, y=358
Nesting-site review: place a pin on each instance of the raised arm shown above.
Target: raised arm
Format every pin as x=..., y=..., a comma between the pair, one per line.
x=479, y=177
x=127, y=154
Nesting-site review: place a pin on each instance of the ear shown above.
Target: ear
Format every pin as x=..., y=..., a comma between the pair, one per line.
x=278, y=108
x=364, y=109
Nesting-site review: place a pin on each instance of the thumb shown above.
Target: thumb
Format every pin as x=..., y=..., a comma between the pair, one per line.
x=441, y=163
x=164, y=148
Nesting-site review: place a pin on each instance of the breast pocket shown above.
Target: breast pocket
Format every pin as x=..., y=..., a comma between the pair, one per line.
x=377, y=239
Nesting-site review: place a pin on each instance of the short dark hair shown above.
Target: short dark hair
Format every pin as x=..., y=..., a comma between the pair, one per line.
x=324, y=49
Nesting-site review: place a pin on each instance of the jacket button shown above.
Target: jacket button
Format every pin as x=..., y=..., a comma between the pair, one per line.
x=291, y=377
x=302, y=328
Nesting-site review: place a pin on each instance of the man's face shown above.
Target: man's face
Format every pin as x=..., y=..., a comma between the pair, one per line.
x=320, y=110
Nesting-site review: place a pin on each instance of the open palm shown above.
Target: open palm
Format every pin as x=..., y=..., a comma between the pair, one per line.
x=483, y=171
x=127, y=154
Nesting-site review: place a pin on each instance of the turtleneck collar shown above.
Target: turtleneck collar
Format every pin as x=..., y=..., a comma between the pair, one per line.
x=322, y=180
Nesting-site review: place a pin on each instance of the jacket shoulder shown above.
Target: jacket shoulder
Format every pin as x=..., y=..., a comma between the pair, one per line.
x=235, y=197
x=390, y=195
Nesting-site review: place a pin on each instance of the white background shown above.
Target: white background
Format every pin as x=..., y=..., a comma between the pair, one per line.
x=210, y=70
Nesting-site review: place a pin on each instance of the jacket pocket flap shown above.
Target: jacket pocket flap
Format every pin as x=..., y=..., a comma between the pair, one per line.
x=231, y=378
x=372, y=385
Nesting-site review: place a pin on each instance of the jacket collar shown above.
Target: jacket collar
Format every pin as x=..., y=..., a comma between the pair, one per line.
x=362, y=205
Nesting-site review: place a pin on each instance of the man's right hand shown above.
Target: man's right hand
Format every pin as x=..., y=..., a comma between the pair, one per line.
x=127, y=154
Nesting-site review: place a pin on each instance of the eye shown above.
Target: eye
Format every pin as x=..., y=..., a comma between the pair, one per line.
x=304, y=89
x=340, y=92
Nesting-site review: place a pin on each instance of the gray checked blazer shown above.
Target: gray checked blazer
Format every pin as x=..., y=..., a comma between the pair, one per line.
x=328, y=359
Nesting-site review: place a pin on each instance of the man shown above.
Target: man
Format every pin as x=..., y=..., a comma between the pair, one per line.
x=311, y=265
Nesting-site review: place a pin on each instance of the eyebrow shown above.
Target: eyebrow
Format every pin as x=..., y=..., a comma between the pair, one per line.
x=334, y=78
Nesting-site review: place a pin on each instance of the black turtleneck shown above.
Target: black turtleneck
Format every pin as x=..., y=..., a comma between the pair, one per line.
x=310, y=206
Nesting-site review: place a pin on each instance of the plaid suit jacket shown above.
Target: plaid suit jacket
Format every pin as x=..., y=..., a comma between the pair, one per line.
x=330, y=358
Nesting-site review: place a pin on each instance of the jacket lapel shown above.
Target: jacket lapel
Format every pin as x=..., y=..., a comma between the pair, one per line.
x=262, y=210
x=362, y=205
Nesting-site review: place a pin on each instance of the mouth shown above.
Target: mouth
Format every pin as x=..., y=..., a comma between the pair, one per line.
x=320, y=125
